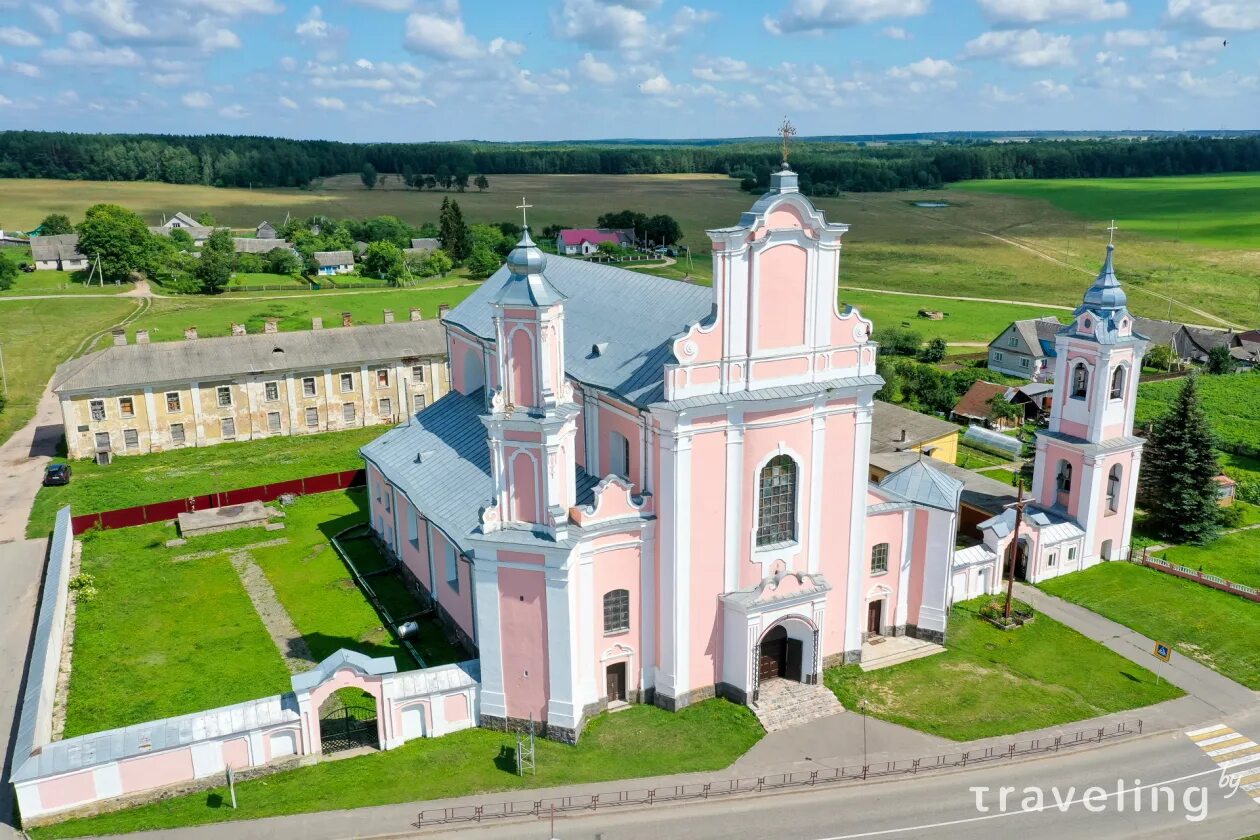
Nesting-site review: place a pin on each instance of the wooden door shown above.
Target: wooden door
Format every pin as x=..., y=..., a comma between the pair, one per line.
x=874, y=616
x=795, y=655
x=773, y=662
x=616, y=682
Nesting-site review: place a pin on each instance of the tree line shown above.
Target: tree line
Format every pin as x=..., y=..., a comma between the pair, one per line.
x=826, y=167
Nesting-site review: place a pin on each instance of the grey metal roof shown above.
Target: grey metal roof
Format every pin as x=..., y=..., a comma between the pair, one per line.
x=804, y=389
x=890, y=421
x=441, y=461
x=41, y=678
x=1053, y=527
x=425, y=244
x=334, y=258
x=973, y=554
x=1088, y=448
x=343, y=658
x=62, y=246
x=247, y=245
x=757, y=594
x=636, y=315
x=438, y=678
x=922, y=484
x=527, y=283
x=978, y=492
x=230, y=356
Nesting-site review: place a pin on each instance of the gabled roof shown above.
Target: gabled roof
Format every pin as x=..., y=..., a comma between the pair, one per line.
x=595, y=236
x=636, y=315
x=230, y=356
x=975, y=403
x=1053, y=527
x=923, y=484
x=62, y=246
x=334, y=258
x=426, y=244
x=1036, y=336
x=334, y=662
x=182, y=219
x=889, y=421
x=249, y=245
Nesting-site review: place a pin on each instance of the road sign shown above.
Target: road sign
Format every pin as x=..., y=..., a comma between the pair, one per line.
x=1163, y=651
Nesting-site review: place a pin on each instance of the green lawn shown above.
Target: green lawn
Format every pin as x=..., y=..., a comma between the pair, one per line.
x=971, y=458
x=1232, y=404
x=1221, y=211
x=245, y=280
x=1215, y=628
x=1233, y=556
x=143, y=479
x=164, y=637
x=59, y=283
x=964, y=320
x=992, y=682
x=1003, y=475
x=640, y=741
x=37, y=335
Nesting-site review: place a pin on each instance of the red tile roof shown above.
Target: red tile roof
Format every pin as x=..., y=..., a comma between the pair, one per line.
x=975, y=403
x=577, y=236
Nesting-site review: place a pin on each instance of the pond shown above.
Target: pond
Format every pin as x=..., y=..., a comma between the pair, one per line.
x=931, y=204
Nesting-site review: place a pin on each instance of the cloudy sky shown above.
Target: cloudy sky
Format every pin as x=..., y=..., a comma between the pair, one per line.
x=584, y=69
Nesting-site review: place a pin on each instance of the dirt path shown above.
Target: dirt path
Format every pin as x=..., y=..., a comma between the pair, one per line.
x=958, y=297
x=291, y=644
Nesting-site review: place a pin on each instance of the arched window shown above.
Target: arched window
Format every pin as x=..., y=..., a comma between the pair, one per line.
x=1117, y=383
x=1080, y=381
x=1113, y=488
x=776, y=502
x=619, y=455
x=879, y=559
x=617, y=611
x=1064, y=478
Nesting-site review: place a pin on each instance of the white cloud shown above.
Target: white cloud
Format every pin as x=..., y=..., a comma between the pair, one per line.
x=997, y=95
x=504, y=47
x=49, y=17
x=657, y=85
x=1131, y=38
x=12, y=36
x=896, y=33
x=597, y=71
x=286, y=102
x=5, y=101
x=927, y=68
x=1214, y=14
x=441, y=37
x=1049, y=89
x=722, y=69
x=386, y=5
x=623, y=25
x=406, y=100
x=22, y=68
x=211, y=38
x=1022, y=48
x=1052, y=11
x=1196, y=53
x=84, y=50
x=233, y=112
x=329, y=103
x=313, y=27
x=197, y=99
x=809, y=15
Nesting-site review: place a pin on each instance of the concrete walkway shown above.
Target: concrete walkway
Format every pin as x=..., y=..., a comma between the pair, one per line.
x=21, y=569
x=1202, y=683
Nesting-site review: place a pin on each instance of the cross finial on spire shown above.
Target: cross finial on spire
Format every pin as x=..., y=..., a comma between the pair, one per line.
x=1111, y=239
x=786, y=130
x=523, y=207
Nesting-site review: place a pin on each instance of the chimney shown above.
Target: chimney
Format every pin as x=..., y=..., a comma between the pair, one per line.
x=120, y=338
x=270, y=325
x=142, y=336
x=238, y=329
x=317, y=323
x=389, y=316
x=443, y=308
x=190, y=333
x=415, y=314
x=345, y=319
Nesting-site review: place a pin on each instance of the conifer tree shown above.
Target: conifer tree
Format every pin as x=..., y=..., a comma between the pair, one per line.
x=453, y=233
x=1178, y=468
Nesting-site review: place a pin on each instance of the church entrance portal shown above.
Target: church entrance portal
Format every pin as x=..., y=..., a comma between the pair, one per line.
x=781, y=656
x=616, y=682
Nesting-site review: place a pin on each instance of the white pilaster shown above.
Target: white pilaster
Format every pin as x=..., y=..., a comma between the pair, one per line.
x=590, y=430
x=486, y=591
x=734, y=499
x=1087, y=507
x=562, y=706
x=150, y=414
x=586, y=628
x=857, y=530
x=328, y=401
x=194, y=389
x=816, y=469
x=1130, y=499
x=902, y=611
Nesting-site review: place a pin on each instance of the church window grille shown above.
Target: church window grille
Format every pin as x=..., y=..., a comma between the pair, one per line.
x=776, y=520
x=617, y=611
x=1117, y=383
x=879, y=559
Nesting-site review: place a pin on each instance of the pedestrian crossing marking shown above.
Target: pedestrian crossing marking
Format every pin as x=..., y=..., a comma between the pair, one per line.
x=1231, y=749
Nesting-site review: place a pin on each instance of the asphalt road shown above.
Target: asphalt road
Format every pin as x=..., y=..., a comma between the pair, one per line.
x=945, y=806
x=21, y=568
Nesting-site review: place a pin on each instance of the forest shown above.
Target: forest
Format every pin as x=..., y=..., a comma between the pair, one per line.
x=826, y=167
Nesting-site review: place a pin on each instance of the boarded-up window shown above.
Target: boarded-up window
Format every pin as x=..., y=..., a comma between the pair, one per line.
x=273, y=421
x=229, y=428
x=420, y=401
x=308, y=386
x=417, y=373
x=387, y=407
x=347, y=412
x=347, y=382
x=177, y=433
x=97, y=407
x=102, y=440
x=312, y=417
x=271, y=391
x=126, y=407
x=382, y=377
x=131, y=438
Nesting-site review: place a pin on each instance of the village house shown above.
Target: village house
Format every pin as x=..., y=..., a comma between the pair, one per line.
x=335, y=262
x=151, y=397
x=425, y=244
x=976, y=406
x=249, y=245
x=182, y=221
x=583, y=242
x=58, y=253
x=265, y=231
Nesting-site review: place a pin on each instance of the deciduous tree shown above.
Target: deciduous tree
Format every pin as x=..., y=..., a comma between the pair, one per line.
x=119, y=239
x=1220, y=361
x=368, y=175
x=55, y=224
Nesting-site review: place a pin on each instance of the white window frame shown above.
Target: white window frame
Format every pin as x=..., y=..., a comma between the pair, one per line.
x=220, y=392
x=308, y=386
x=173, y=395
x=271, y=391
x=382, y=374
x=128, y=412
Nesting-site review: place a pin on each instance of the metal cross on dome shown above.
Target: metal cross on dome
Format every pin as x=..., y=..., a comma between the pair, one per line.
x=523, y=207
x=786, y=130
x=1111, y=239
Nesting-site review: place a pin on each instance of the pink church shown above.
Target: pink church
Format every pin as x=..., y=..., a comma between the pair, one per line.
x=640, y=490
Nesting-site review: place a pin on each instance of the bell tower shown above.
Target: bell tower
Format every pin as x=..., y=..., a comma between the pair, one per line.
x=531, y=428
x=1087, y=461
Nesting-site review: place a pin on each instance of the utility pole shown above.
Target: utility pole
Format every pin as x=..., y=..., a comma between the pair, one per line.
x=4, y=378
x=1019, y=505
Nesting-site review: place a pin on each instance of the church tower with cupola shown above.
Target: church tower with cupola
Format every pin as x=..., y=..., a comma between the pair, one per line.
x=531, y=426
x=1087, y=461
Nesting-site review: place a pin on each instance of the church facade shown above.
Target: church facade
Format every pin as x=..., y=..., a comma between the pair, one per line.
x=640, y=490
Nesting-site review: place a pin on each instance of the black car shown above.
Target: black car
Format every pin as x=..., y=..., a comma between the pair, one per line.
x=56, y=474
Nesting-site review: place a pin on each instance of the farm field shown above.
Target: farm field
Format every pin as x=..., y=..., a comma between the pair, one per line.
x=991, y=244
x=994, y=682
x=37, y=335
x=1232, y=404
x=180, y=473
x=964, y=321
x=1215, y=628
x=1221, y=211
